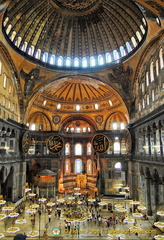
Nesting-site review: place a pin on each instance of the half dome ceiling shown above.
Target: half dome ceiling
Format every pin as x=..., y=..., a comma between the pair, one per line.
x=75, y=34
x=70, y=92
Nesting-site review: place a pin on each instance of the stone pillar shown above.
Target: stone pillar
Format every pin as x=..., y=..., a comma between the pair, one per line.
x=160, y=141
x=149, y=143
x=148, y=196
x=156, y=194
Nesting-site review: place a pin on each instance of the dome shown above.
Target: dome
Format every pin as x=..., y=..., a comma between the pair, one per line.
x=75, y=34
x=77, y=94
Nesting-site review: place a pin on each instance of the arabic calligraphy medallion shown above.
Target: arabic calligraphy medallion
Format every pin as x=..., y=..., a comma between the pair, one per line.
x=100, y=143
x=55, y=144
x=26, y=141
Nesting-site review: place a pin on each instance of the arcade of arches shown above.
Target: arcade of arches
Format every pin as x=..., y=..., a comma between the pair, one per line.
x=82, y=98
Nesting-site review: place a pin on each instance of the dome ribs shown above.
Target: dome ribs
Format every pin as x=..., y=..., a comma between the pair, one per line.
x=67, y=46
x=55, y=33
x=79, y=37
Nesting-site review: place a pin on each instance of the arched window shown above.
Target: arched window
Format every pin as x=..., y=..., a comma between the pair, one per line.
x=118, y=166
x=76, y=62
x=31, y=50
x=142, y=29
x=84, y=129
x=33, y=127
x=134, y=42
x=92, y=61
x=89, y=166
x=110, y=103
x=108, y=57
x=52, y=59
x=38, y=54
x=96, y=106
x=78, y=149
x=116, y=147
x=100, y=59
x=129, y=48
x=44, y=103
x=89, y=148
x=68, y=62
x=143, y=87
x=139, y=107
x=4, y=80
x=115, y=55
x=161, y=58
x=143, y=103
x=72, y=129
x=114, y=126
x=60, y=61
x=158, y=21
x=77, y=107
x=122, y=51
x=153, y=95
x=13, y=35
x=8, y=29
x=19, y=41
x=45, y=57
x=5, y=21
x=138, y=35
x=78, y=129
x=58, y=106
x=152, y=71
x=84, y=62
x=24, y=47
x=9, y=104
x=147, y=78
x=144, y=21
x=122, y=126
x=67, y=149
x=78, y=166
x=157, y=67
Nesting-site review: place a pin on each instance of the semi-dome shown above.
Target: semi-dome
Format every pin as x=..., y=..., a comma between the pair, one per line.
x=77, y=94
x=75, y=34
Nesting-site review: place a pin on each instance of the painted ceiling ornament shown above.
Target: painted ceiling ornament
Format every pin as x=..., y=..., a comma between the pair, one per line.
x=56, y=119
x=55, y=143
x=30, y=80
x=121, y=76
x=100, y=143
x=99, y=119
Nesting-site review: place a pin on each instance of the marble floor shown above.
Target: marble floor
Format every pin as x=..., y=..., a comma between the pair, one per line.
x=95, y=228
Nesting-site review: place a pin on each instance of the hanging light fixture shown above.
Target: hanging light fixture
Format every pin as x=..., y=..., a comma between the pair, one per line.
x=160, y=213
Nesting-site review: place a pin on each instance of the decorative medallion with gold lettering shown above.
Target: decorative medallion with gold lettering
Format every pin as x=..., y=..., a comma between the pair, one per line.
x=55, y=144
x=26, y=141
x=100, y=143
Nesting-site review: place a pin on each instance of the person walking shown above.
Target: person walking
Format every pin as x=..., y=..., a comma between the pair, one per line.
x=45, y=236
x=49, y=217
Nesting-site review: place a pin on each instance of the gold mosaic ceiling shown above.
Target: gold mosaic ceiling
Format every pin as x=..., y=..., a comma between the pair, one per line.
x=72, y=91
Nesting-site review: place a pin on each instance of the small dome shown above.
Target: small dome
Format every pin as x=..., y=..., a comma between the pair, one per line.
x=75, y=34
